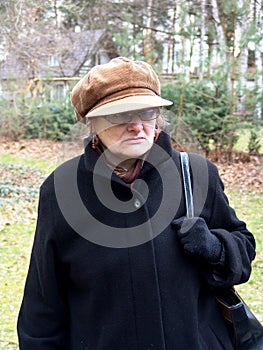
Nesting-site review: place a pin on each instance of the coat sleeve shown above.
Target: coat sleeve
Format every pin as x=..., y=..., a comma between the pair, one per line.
x=42, y=317
x=238, y=243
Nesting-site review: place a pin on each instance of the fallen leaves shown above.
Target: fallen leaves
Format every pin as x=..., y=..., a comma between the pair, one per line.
x=241, y=176
x=39, y=149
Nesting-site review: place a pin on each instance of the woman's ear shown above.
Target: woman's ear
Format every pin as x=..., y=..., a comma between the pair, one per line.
x=156, y=132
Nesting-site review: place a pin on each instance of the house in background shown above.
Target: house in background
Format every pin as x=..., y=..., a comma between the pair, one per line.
x=54, y=61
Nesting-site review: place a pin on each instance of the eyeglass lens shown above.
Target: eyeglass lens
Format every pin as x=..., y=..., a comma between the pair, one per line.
x=122, y=118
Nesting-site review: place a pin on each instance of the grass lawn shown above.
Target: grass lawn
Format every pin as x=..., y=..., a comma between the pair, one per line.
x=15, y=245
x=19, y=188
x=248, y=206
x=243, y=136
x=18, y=203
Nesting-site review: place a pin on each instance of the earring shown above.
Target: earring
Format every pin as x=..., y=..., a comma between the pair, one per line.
x=156, y=133
x=94, y=141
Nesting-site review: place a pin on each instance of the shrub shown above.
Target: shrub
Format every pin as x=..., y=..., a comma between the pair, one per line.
x=205, y=109
x=254, y=142
x=26, y=118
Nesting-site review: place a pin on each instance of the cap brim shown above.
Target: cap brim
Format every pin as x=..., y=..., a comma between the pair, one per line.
x=127, y=104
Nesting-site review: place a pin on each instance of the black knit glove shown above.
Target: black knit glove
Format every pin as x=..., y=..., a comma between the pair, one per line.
x=197, y=240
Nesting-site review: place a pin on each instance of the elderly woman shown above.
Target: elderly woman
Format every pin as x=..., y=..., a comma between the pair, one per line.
x=115, y=264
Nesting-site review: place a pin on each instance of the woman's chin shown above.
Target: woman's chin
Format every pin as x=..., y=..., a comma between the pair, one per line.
x=133, y=152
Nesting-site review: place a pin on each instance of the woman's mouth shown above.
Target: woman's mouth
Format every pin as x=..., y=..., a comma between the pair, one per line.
x=135, y=140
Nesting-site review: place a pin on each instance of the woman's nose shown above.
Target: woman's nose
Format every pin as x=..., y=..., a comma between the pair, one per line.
x=136, y=124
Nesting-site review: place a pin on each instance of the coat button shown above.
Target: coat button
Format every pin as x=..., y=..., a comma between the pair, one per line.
x=137, y=203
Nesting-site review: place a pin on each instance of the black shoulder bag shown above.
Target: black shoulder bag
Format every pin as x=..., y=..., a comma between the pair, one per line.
x=245, y=329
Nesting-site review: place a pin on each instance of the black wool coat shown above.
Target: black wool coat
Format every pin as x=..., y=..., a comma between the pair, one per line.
x=107, y=270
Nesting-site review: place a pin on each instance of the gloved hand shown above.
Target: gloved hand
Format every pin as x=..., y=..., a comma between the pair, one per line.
x=197, y=240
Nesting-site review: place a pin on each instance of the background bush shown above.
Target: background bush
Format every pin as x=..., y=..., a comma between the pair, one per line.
x=23, y=117
x=205, y=109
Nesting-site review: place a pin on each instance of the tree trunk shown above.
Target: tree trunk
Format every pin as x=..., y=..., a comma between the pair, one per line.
x=202, y=40
x=221, y=37
x=173, y=53
x=257, y=18
x=233, y=93
x=148, y=39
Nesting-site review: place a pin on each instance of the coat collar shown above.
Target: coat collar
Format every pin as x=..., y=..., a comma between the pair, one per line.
x=160, y=152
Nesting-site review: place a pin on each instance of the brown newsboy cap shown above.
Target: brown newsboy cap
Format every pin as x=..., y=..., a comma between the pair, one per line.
x=119, y=86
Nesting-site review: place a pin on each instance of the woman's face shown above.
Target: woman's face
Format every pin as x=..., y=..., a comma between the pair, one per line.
x=127, y=140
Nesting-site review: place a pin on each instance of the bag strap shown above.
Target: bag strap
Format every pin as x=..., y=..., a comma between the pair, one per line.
x=187, y=184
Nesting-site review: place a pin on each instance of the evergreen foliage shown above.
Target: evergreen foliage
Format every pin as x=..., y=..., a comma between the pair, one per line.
x=25, y=118
x=205, y=109
x=254, y=142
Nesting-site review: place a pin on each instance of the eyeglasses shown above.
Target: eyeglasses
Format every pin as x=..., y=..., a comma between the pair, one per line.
x=127, y=117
